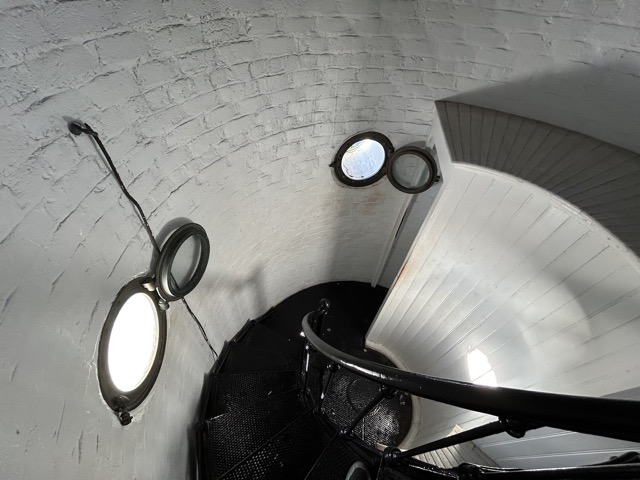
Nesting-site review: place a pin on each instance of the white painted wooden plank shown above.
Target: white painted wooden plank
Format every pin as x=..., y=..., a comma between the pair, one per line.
x=488, y=125
x=439, y=252
x=486, y=260
x=464, y=122
x=511, y=132
x=452, y=119
x=514, y=276
x=446, y=275
x=442, y=459
x=538, y=137
x=551, y=444
x=605, y=159
x=497, y=136
x=442, y=211
x=555, y=138
x=452, y=456
x=563, y=460
x=557, y=155
x=465, y=279
x=572, y=158
x=517, y=149
x=476, y=124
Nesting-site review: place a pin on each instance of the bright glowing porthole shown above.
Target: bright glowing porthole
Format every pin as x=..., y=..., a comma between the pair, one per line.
x=133, y=342
x=131, y=347
x=480, y=370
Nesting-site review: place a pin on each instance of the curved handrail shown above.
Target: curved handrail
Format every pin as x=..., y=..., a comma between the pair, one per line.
x=606, y=417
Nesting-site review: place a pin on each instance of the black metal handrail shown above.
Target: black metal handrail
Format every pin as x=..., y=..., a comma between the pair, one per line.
x=606, y=417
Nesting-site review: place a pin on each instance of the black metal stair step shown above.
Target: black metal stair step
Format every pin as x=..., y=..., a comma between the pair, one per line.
x=288, y=455
x=233, y=436
x=408, y=472
x=266, y=338
x=334, y=462
x=245, y=358
x=287, y=325
x=389, y=473
x=235, y=391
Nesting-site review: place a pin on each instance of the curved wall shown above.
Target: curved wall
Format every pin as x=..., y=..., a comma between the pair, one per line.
x=228, y=114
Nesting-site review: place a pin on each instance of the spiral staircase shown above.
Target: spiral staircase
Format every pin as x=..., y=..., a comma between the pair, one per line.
x=282, y=402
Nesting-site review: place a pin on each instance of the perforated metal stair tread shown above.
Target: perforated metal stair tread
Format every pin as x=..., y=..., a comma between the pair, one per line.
x=232, y=436
x=387, y=423
x=245, y=358
x=390, y=473
x=238, y=390
x=334, y=463
x=289, y=455
x=263, y=337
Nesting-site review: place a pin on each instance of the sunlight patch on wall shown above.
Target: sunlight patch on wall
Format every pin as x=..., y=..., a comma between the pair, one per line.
x=480, y=371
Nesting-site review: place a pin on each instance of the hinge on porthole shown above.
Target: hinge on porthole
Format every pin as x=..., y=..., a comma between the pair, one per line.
x=150, y=284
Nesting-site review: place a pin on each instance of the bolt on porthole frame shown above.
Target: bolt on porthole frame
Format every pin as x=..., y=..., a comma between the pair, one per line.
x=423, y=179
x=159, y=291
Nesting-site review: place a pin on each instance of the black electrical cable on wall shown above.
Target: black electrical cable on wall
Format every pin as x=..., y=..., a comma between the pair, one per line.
x=76, y=128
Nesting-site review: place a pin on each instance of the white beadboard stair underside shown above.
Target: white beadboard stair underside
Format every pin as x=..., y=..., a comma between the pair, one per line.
x=530, y=254
x=599, y=178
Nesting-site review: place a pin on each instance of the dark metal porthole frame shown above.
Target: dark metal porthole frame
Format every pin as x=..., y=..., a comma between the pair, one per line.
x=120, y=401
x=422, y=154
x=166, y=284
x=337, y=161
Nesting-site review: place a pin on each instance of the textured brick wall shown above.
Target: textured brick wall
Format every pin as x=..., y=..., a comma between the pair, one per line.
x=229, y=115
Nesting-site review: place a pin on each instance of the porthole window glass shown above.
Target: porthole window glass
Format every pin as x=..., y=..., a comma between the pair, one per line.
x=133, y=342
x=131, y=347
x=186, y=261
x=412, y=170
x=183, y=261
x=361, y=160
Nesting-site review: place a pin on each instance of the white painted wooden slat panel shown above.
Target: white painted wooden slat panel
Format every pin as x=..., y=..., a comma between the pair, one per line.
x=442, y=211
x=551, y=297
x=600, y=179
x=443, y=275
x=411, y=224
x=542, y=292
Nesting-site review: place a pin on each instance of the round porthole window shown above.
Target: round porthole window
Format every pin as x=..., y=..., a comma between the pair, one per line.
x=183, y=261
x=131, y=347
x=412, y=170
x=361, y=160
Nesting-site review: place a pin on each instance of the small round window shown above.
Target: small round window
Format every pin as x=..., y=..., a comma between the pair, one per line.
x=361, y=160
x=412, y=170
x=183, y=261
x=131, y=347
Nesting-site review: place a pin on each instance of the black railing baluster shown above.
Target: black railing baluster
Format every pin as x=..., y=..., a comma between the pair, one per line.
x=332, y=368
x=305, y=366
x=385, y=392
x=515, y=429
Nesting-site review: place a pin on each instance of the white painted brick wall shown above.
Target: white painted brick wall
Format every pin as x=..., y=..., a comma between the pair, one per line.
x=229, y=115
